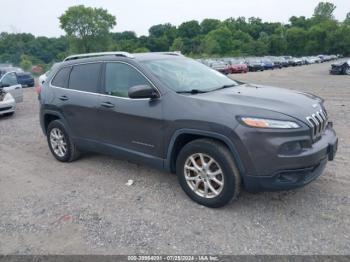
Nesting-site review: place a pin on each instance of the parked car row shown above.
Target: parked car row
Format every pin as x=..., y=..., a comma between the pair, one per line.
x=232, y=65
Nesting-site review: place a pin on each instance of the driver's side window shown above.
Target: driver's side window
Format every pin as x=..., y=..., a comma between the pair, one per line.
x=10, y=80
x=119, y=77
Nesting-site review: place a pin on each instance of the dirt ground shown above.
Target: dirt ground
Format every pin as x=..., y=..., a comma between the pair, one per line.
x=84, y=207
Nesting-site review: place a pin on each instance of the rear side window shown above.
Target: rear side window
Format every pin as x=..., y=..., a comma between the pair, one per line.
x=61, y=78
x=85, y=77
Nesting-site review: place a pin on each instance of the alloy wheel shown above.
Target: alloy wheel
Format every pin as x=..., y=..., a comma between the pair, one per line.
x=58, y=142
x=204, y=175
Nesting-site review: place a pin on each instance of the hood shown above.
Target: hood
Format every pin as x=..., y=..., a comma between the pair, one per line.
x=288, y=102
x=341, y=63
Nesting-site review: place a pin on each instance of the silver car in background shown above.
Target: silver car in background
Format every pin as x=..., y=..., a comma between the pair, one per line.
x=10, y=93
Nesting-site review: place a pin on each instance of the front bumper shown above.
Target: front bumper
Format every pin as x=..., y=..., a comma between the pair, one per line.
x=285, y=179
x=7, y=107
x=272, y=169
x=336, y=71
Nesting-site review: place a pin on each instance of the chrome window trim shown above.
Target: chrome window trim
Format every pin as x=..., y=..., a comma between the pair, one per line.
x=105, y=95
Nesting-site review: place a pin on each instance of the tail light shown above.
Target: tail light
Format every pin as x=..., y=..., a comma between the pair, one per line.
x=38, y=89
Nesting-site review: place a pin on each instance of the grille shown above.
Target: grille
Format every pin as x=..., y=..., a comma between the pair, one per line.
x=5, y=108
x=318, y=123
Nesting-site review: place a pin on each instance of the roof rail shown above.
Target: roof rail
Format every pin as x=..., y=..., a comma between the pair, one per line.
x=175, y=53
x=88, y=55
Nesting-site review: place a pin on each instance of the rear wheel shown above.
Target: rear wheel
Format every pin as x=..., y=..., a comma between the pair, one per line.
x=207, y=173
x=60, y=144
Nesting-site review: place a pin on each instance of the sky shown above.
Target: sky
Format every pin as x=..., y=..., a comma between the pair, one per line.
x=40, y=17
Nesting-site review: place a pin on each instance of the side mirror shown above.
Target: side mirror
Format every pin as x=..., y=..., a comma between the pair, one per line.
x=142, y=91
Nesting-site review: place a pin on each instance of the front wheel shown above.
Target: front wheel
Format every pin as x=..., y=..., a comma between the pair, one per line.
x=207, y=173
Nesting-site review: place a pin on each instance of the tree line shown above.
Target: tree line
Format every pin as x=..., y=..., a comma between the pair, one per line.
x=89, y=30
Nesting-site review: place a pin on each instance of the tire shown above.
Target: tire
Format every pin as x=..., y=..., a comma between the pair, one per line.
x=229, y=176
x=71, y=153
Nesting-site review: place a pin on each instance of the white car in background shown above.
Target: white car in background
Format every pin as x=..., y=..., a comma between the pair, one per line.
x=43, y=77
x=7, y=103
x=10, y=93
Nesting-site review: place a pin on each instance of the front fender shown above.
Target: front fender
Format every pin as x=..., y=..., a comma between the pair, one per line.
x=170, y=152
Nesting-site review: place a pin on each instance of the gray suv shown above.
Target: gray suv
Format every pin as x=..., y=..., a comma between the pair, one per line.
x=173, y=113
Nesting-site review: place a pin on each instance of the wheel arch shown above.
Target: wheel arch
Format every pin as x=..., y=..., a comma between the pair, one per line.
x=48, y=116
x=183, y=136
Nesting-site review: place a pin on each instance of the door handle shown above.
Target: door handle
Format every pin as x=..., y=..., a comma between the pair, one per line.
x=107, y=104
x=63, y=98
x=17, y=87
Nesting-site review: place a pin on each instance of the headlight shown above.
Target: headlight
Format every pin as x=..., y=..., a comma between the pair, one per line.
x=268, y=123
x=8, y=97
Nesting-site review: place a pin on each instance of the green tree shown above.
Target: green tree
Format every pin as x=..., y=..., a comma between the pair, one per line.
x=324, y=10
x=158, y=44
x=164, y=30
x=347, y=19
x=88, y=28
x=300, y=21
x=141, y=50
x=208, y=25
x=296, y=41
x=26, y=63
x=189, y=29
x=178, y=45
x=219, y=41
x=277, y=45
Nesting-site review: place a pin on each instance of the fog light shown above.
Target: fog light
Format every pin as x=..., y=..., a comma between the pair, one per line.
x=291, y=148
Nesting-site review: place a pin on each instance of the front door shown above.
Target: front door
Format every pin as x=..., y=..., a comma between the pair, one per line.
x=131, y=124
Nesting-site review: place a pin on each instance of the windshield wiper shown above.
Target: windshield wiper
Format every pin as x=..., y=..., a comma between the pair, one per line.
x=197, y=91
x=224, y=86
x=192, y=91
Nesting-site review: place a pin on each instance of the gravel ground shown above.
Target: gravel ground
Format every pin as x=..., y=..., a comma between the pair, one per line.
x=84, y=207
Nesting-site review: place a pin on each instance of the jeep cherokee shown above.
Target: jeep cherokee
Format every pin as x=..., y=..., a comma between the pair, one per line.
x=174, y=113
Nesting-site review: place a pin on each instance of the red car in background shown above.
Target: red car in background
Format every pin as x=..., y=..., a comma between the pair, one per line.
x=237, y=66
x=221, y=66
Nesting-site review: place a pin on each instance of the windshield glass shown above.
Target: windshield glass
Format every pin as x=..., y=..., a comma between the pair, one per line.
x=184, y=75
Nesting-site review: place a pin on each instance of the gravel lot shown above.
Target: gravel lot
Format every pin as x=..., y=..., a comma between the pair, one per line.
x=84, y=207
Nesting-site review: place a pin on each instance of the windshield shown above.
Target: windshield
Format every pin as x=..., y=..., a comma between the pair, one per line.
x=185, y=75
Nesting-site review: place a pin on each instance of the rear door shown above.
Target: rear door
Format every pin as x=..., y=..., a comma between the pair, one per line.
x=79, y=99
x=13, y=87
